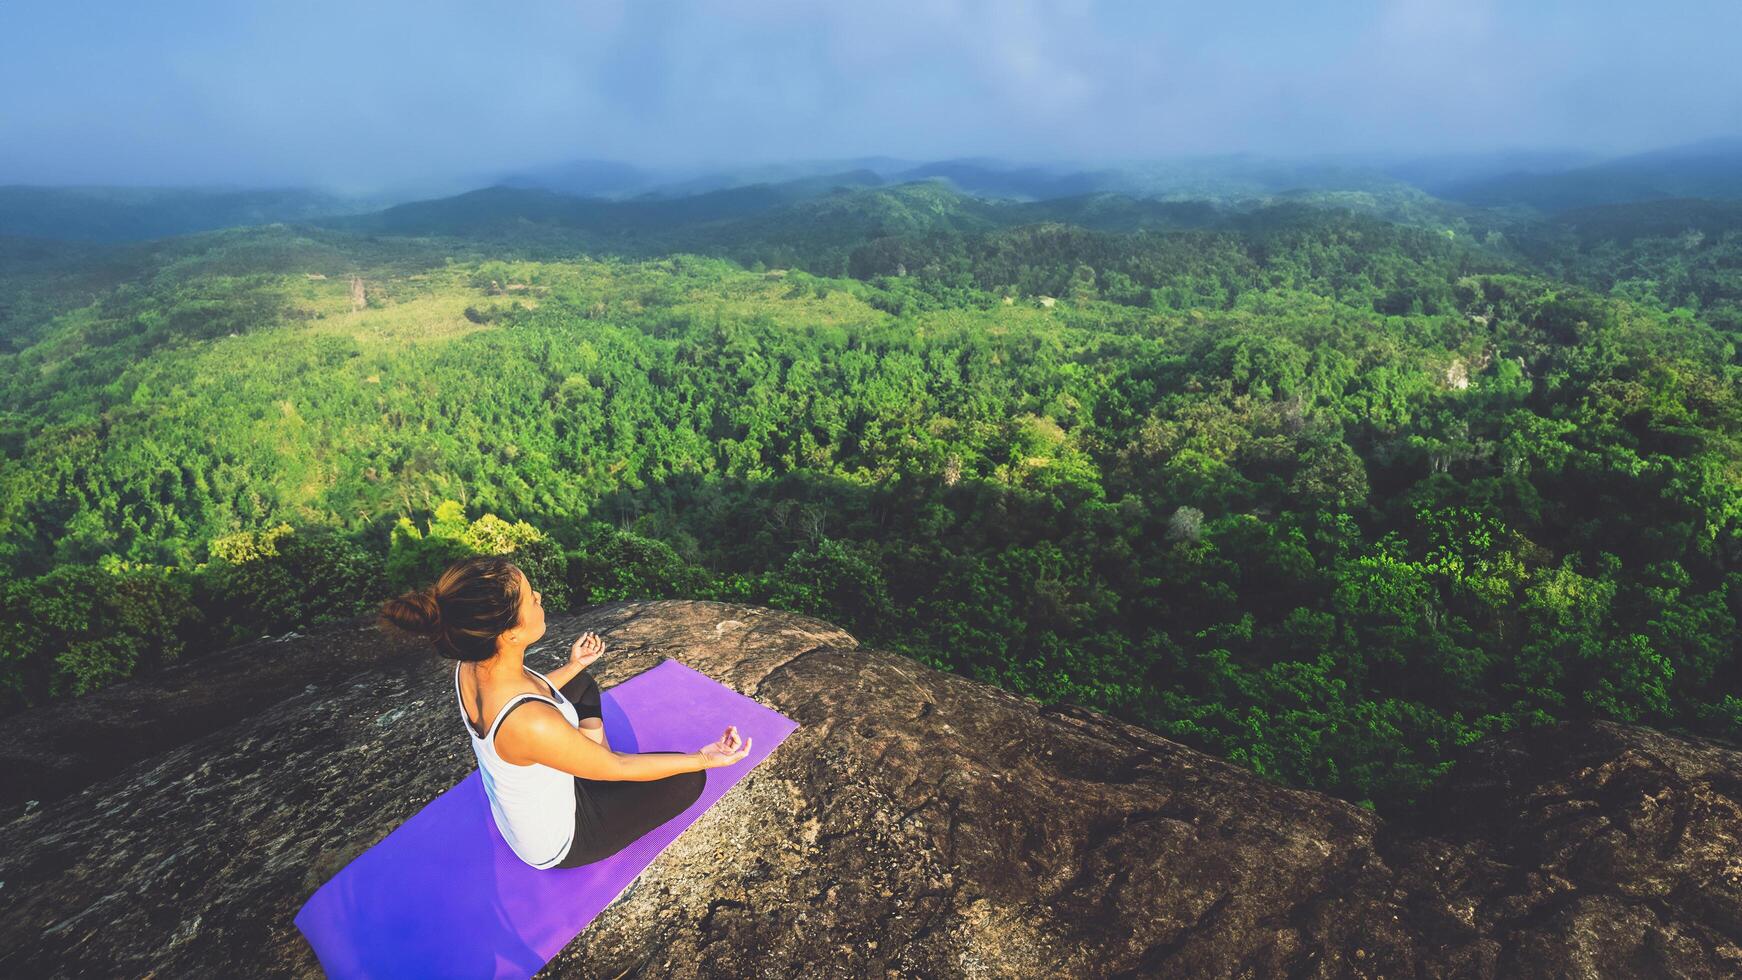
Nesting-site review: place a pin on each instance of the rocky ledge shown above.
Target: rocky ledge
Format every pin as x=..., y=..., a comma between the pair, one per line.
x=918, y=824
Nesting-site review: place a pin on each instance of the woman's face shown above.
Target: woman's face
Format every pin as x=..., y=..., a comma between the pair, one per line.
x=531, y=625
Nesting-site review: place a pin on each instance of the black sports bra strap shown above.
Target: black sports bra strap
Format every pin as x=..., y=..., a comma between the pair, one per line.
x=510, y=709
x=556, y=700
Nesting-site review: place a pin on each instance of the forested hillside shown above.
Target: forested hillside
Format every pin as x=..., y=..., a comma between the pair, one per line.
x=117, y=214
x=1324, y=493
x=1709, y=168
x=1683, y=254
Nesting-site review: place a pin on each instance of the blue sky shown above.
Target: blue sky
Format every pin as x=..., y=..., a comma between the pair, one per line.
x=362, y=94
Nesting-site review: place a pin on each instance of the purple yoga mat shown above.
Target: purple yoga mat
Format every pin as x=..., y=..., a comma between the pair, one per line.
x=443, y=896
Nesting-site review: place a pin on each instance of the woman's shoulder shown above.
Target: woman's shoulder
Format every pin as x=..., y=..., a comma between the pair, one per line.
x=535, y=720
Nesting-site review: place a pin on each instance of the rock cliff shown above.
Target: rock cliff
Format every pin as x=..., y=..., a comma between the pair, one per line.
x=918, y=824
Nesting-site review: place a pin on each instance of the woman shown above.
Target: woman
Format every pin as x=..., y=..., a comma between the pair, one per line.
x=559, y=794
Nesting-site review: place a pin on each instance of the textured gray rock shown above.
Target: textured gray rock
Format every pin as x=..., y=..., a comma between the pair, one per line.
x=67, y=745
x=918, y=824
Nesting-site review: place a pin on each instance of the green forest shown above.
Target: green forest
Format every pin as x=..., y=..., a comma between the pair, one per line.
x=1328, y=484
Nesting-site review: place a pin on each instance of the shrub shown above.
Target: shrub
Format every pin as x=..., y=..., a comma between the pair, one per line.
x=78, y=628
x=416, y=558
x=613, y=565
x=279, y=579
x=838, y=581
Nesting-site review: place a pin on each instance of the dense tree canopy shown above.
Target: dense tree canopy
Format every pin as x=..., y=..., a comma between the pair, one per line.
x=1323, y=494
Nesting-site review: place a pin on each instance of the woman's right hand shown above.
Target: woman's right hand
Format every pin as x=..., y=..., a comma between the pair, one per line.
x=729, y=749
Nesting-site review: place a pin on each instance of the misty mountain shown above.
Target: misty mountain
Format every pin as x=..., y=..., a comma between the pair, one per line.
x=514, y=212
x=814, y=223
x=618, y=181
x=584, y=178
x=1218, y=176
x=1712, y=168
x=992, y=178
x=981, y=176
x=1437, y=172
x=615, y=202
x=807, y=214
x=114, y=214
x=702, y=181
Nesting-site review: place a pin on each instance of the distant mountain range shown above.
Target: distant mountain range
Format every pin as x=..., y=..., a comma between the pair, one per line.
x=1216, y=176
x=110, y=214
x=811, y=215
x=607, y=197
x=1710, y=169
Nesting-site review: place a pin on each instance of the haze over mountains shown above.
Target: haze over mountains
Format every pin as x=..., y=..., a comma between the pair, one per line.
x=598, y=193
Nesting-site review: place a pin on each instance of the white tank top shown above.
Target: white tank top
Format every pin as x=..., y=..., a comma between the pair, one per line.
x=534, y=805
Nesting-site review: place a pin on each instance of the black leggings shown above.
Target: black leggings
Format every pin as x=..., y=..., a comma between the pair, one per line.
x=612, y=814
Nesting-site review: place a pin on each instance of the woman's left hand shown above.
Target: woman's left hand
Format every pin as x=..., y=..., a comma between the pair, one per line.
x=586, y=650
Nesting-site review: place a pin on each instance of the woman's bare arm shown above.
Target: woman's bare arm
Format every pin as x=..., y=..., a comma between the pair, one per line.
x=546, y=737
x=595, y=731
x=561, y=676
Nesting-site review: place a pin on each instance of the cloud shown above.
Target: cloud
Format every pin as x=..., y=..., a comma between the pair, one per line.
x=324, y=91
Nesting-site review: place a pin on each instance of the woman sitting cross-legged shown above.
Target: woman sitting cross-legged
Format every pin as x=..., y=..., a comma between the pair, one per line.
x=559, y=793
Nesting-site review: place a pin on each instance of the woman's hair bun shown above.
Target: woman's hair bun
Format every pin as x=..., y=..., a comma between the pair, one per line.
x=474, y=601
x=415, y=612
